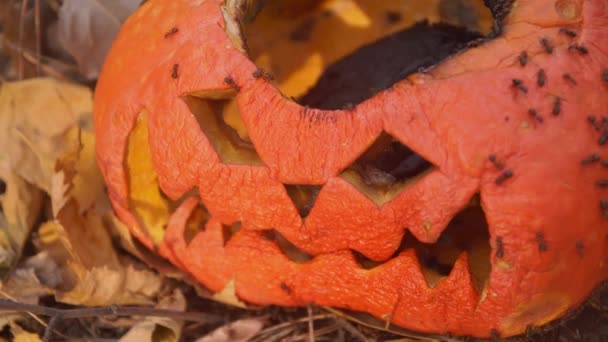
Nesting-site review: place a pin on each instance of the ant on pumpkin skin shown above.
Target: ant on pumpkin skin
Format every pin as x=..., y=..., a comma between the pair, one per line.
x=503, y=177
x=578, y=48
x=541, y=78
x=175, y=71
x=569, y=78
x=542, y=243
x=591, y=159
x=232, y=83
x=492, y=158
x=593, y=121
x=580, y=248
x=523, y=58
x=171, y=32
x=286, y=288
x=547, y=45
x=568, y=32
x=500, y=251
x=261, y=73
x=519, y=85
x=557, y=106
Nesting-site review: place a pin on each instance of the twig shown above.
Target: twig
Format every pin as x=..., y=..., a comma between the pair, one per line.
x=351, y=329
x=113, y=310
x=311, y=325
x=20, y=64
x=36, y=318
x=38, y=37
x=59, y=314
x=294, y=322
x=317, y=333
x=54, y=5
x=48, y=332
x=30, y=57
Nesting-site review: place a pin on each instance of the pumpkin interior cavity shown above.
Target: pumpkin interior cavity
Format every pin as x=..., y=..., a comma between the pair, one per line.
x=303, y=197
x=466, y=233
x=290, y=250
x=219, y=118
x=196, y=223
x=331, y=54
x=385, y=169
x=228, y=231
x=146, y=200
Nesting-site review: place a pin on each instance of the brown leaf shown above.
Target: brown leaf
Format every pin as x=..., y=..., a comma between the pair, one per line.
x=21, y=205
x=93, y=272
x=37, y=116
x=159, y=329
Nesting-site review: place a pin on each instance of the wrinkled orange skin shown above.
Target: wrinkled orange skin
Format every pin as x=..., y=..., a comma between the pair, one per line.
x=454, y=116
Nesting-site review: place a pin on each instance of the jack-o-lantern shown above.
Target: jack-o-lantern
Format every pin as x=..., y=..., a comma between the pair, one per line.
x=246, y=142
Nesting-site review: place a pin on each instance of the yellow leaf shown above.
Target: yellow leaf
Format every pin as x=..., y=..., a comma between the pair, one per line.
x=94, y=274
x=228, y=295
x=25, y=336
x=88, y=184
x=36, y=116
x=21, y=205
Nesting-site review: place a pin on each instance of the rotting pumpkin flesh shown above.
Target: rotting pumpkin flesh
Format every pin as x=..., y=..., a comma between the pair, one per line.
x=490, y=120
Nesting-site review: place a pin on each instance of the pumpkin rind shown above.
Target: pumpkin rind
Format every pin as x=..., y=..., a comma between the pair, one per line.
x=455, y=116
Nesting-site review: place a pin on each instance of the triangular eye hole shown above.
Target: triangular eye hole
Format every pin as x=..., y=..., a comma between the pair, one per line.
x=303, y=197
x=221, y=122
x=229, y=231
x=385, y=169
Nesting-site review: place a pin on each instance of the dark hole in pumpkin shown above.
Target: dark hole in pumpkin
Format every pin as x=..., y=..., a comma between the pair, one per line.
x=353, y=80
x=196, y=223
x=467, y=232
x=219, y=118
x=290, y=250
x=228, y=231
x=334, y=54
x=386, y=168
x=303, y=197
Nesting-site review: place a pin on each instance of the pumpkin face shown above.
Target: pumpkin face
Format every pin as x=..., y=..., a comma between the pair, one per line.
x=468, y=199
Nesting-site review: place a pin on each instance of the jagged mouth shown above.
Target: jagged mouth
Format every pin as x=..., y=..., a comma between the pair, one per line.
x=387, y=167
x=466, y=233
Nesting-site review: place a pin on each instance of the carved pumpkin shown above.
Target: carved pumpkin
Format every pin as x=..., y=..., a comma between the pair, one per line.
x=469, y=198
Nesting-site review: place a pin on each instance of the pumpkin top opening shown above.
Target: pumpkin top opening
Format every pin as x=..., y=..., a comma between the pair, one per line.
x=335, y=54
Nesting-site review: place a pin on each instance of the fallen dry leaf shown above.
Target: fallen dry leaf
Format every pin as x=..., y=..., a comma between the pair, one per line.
x=21, y=335
x=93, y=272
x=87, y=28
x=36, y=116
x=24, y=285
x=159, y=329
x=21, y=205
x=121, y=232
x=239, y=331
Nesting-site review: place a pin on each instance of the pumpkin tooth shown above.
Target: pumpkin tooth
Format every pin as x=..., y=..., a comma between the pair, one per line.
x=466, y=233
